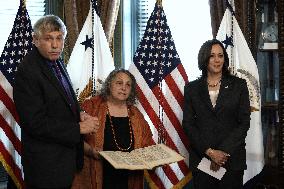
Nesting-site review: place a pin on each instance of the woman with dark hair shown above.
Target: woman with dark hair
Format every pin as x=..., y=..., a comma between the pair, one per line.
x=122, y=128
x=216, y=119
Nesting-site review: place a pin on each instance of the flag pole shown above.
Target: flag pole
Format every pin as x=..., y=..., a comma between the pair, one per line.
x=161, y=129
x=23, y=3
x=92, y=76
x=232, y=35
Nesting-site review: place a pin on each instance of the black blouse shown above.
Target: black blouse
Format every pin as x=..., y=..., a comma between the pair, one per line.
x=116, y=178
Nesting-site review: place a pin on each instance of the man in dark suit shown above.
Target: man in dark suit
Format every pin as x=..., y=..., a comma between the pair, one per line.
x=51, y=121
x=216, y=119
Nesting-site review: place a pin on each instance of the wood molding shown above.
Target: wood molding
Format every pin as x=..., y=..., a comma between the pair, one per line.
x=280, y=10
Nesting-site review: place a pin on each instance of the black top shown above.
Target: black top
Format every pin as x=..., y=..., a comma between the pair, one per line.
x=116, y=178
x=223, y=127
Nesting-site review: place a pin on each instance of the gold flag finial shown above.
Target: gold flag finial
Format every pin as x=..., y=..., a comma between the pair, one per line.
x=159, y=2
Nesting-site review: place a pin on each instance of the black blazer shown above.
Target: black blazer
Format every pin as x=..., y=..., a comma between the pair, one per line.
x=223, y=127
x=51, y=142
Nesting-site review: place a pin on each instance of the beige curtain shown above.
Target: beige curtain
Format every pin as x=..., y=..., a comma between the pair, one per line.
x=75, y=13
x=108, y=10
x=217, y=9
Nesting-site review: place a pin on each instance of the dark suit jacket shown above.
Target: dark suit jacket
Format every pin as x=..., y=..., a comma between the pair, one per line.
x=223, y=127
x=51, y=141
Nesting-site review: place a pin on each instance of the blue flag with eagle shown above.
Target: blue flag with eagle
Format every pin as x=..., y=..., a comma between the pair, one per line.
x=91, y=59
x=243, y=65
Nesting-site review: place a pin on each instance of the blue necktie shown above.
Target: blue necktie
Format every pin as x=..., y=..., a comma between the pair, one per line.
x=64, y=83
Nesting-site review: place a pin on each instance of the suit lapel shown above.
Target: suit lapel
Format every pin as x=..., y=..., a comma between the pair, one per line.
x=64, y=72
x=204, y=93
x=224, y=93
x=47, y=71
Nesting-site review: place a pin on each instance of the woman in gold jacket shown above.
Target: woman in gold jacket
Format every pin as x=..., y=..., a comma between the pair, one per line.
x=122, y=128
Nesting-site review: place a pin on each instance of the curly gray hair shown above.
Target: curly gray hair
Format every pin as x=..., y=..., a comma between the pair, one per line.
x=105, y=90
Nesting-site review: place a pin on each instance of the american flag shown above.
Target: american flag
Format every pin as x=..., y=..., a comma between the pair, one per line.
x=161, y=78
x=17, y=46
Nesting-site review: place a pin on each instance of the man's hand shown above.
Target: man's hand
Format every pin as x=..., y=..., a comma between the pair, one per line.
x=88, y=124
x=84, y=116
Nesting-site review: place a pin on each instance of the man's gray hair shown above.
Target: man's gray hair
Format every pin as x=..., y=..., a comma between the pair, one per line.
x=49, y=23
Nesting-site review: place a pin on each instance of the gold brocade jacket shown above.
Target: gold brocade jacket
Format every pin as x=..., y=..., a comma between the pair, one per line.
x=91, y=177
